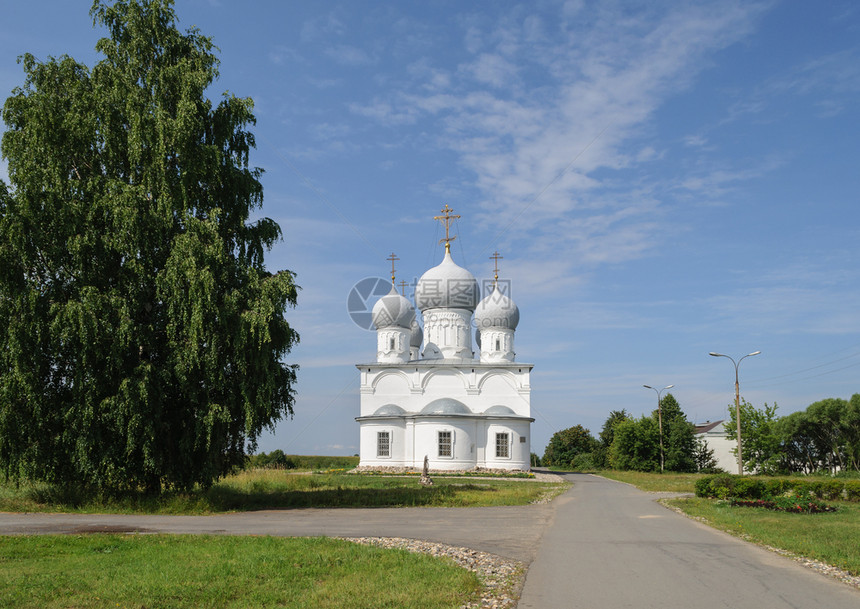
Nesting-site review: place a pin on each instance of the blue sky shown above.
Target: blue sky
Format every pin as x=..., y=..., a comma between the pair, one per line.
x=662, y=179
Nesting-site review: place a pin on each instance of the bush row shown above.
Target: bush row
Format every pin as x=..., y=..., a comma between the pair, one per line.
x=278, y=460
x=724, y=486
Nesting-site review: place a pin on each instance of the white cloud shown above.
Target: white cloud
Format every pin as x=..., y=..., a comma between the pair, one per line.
x=322, y=27
x=349, y=55
x=492, y=70
x=541, y=147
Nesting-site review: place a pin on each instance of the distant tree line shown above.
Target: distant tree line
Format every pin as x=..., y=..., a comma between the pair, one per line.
x=823, y=438
x=633, y=444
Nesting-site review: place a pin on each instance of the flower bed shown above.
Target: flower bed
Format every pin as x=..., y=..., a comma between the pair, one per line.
x=795, y=505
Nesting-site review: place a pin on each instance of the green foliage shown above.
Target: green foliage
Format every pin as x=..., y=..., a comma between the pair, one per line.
x=759, y=438
x=565, y=445
x=273, y=460
x=607, y=435
x=583, y=462
x=679, y=440
x=824, y=437
x=636, y=445
x=141, y=336
x=535, y=460
x=317, y=463
x=723, y=486
x=794, y=505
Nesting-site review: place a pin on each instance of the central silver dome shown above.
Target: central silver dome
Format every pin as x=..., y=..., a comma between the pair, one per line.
x=447, y=286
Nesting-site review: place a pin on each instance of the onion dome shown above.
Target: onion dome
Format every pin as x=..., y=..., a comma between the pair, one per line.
x=392, y=310
x=497, y=311
x=447, y=286
x=417, y=336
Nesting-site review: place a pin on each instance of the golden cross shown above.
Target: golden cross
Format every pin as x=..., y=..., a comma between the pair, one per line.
x=403, y=285
x=495, y=257
x=446, y=220
x=392, y=257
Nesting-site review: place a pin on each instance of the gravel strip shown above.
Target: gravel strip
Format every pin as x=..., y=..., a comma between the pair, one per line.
x=502, y=579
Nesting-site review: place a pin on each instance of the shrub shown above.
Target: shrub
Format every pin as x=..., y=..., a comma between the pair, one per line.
x=749, y=488
x=720, y=486
x=585, y=461
x=724, y=486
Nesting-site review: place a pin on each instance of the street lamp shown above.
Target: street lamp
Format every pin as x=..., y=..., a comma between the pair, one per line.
x=660, y=418
x=737, y=403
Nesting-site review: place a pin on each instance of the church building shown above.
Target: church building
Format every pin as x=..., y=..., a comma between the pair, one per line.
x=429, y=393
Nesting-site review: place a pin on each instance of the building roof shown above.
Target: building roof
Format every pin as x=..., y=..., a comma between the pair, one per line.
x=708, y=426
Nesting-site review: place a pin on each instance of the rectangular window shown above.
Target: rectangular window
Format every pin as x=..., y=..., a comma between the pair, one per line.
x=383, y=444
x=445, y=444
x=503, y=450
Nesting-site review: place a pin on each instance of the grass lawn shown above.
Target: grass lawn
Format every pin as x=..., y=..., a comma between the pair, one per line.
x=833, y=538
x=144, y=571
x=668, y=481
x=280, y=489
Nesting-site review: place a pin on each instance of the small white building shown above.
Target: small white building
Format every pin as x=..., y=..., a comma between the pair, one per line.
x=429, y=394
x=725, y=450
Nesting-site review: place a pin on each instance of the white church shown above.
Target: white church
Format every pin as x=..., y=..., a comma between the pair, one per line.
x=429, y=393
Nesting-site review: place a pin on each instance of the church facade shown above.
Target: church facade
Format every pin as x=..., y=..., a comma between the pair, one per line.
x=429, y=393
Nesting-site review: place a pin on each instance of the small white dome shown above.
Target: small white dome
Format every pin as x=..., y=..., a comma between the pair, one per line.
x=417, y=336
x=389, y=410
x=497, y=311
x=393, y=310
x=499, y=410
x=447, y=286
x=446, y=406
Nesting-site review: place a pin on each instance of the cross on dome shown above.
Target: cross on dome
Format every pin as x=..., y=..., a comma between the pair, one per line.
x=393, y=257
x=403, y=284
x=495, y=258
x=446, y=219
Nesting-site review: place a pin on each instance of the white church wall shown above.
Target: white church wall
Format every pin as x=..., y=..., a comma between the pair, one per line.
x=444, y=382
x=463, y=448
x=506, y=388
x=518, y=445
x=398, y=446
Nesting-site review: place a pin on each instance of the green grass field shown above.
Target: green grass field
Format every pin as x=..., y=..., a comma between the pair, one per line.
x=666, y=482
x=167, y=571
x=282, y=489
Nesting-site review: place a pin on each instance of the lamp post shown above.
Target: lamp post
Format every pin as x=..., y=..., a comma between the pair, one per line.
x=737, y=404
x=660, y=418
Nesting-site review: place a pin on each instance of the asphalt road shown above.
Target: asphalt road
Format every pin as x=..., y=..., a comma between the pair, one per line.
x=611, y=546
x=513, y=532
x=602, y=544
